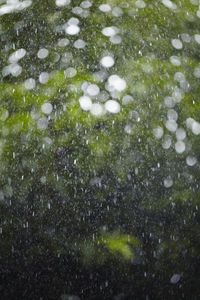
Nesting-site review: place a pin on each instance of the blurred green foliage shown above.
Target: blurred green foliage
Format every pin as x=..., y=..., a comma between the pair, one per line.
x=60, y=185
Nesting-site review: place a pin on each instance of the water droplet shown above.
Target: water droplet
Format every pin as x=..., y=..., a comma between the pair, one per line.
x=172, y=115
x=171, y=125
x=117, y=12
x=17, y=55
x=197, y=72
x=115, y=39
x=105, y=7
x=177, y=44
x=175, y=278
x=180, y=147
x=110, y=31
x=86, y=4
x=175, y=60
x=42, y=123
x=116, y=83
x=72, y=29
x=112, y=106
x=79, y=44
x=63, y=42
x=107, y=61
x=191, y=161
x=70, y=72
x=167, y=142
x=42, y=53
x=180, y=134
x=96, y=109
x=85, y=103
x=197, y=38
x=62, y=2
x=158, y=132
x=44, y=77
x=92, y=90
x=186, y=37
x=140, y=4
x=168, y=182
x=29, y=84
x=196, y=128
x=47, y=108
x=169, y=4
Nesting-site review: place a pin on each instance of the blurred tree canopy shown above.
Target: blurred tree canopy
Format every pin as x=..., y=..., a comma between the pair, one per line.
x=112, y=190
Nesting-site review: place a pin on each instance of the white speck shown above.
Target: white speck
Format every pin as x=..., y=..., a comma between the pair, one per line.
x=115, y=39
x=191, y=161
x=70, y=72
x=196, y=128
x=47, y=108
x=105, y=7
x=197, y=72
x=72, y=29
x=117, y=12
x=42, y=123
x=180, y=134
x=175, y=278
x=29, y=84
x=92, y=90
x=116, y=83
x=197, y=38
x=180, y=147
x=107, y=61
x=167, y=142
x=86, y=4
x=169, y=4
x=112, y=106
x=171, y=125
x=63, y=42
x=62, y=2
x=175, y=60
x=177, y=44
x=44, y=77
x=42, y=53
x=198, y=13
x=85, y=103
x=140, y=4
x=158, y=132
x=79, y=44
x=96, y=109
x=168, y=182
x=110, y=31
x=17, y=55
